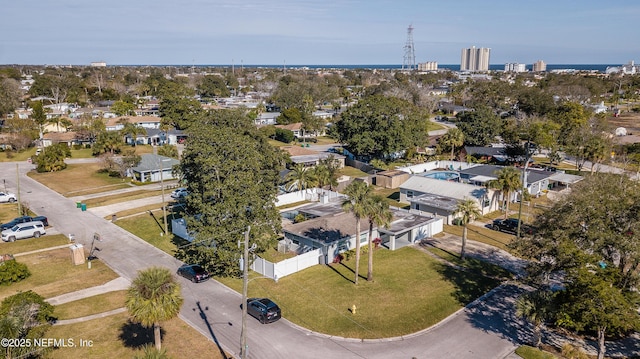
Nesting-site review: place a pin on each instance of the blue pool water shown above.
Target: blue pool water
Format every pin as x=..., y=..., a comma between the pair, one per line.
x=444, y=175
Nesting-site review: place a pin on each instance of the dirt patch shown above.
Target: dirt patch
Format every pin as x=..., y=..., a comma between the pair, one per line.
x=631, y=122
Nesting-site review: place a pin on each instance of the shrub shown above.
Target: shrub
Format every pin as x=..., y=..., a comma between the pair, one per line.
x=571, y=352
x=12, y=272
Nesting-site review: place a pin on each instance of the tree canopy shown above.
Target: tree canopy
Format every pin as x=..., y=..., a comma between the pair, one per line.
x=379, y=126
x=232, y=174
x=592, y=236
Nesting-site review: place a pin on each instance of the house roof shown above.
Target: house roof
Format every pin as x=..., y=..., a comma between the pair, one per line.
x=438, y=187
x=392, y=173
x=151, y=163
x=565, y=178
x=59, y=136
x=436, y=201
x=292, y=126
x=298, y=151
x=490, y=171
x=334, y=227
x=133, y=119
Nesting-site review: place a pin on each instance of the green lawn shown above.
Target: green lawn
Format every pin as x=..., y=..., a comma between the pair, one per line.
x=52, y=274
x=150, y=228
x=116, y=337
x=32, y=244
x=411, y=291
x=527, y=352
x=79, y=179
x=123, y=197
x=484, y=235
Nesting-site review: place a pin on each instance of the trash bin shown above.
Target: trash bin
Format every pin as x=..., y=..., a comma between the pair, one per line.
x=113, y=218
x=78, y=204
x=83, y=206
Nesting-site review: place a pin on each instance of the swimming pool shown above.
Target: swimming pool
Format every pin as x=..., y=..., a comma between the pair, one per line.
x=444, y=175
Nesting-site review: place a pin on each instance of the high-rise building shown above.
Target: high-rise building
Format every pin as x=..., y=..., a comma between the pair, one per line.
x=475, y=59
x=428, y=66
x=515, y=67
x=539, y=66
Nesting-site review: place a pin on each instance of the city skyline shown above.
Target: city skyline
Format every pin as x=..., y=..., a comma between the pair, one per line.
x=314, y=32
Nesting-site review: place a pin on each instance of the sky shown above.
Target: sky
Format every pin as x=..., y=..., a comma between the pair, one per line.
x=315, y=32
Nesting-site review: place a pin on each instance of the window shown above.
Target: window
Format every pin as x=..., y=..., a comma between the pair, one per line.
x=409, y=194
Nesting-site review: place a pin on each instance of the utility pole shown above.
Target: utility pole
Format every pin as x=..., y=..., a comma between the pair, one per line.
x=164, y=206
x=245, y=284
x=524, y=186
x=18, y=185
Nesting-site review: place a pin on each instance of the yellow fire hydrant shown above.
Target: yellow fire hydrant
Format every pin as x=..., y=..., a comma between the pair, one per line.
x=353, y=309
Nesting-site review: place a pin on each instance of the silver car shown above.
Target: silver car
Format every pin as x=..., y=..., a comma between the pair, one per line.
x=24, y=230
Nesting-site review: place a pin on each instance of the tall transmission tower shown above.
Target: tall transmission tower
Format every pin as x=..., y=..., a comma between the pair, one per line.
x=409, y=62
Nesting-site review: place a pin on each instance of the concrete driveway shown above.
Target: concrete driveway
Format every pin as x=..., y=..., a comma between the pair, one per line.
x=486, y=329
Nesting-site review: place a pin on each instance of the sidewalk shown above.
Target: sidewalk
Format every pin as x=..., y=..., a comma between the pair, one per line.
x=111, y=286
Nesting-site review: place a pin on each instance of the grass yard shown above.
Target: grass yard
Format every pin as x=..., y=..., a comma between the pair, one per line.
x=53, y=274
x=91, y=305
x=123, y=197
x=483, y=235
x=411, y=291
x=79, y=179
x=352, y=172
x=8, y=211
x=150, y=228
x=115, y=337
x=527, y=352
x=32, y=244
x=17, y=156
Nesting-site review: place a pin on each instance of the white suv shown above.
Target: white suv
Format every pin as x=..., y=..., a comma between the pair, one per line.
x=24, y=230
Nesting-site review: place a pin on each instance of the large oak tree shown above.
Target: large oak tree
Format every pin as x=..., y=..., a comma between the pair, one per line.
x=232, y=174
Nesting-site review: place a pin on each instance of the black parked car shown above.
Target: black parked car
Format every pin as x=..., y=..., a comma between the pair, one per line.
x=510, y=225
x=263, y=309
x=24, y=219
x=194, y=273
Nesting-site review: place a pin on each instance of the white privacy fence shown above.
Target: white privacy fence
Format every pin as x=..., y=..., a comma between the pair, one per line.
x=310, y=194
x=287, y=266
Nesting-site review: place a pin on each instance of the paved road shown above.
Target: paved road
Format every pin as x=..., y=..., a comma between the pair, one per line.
x=485, y=330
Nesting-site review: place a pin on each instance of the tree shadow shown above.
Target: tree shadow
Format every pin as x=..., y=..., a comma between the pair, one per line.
x=134, y=335
x=340, y=273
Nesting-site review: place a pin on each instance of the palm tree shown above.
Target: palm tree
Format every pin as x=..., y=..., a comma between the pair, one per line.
x=356, y=203
x=535, y=308
x=154, y=296
x=507, y=182
x=379, y=214
x=300, y=178
x=468, y=210
x=453, y=138
x=321, y=175
x=333, y=166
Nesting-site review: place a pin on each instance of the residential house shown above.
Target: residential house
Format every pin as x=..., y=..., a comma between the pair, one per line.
x=53, y=138
x=309, y=157
x=332, y=230
x=439, y=198
x=115, y=124
x=154, y=168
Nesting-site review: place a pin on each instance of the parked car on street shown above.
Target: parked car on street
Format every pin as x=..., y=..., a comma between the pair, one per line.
x=179, y=193
x=24, y=230
x=24, y=219
x=7, y=197
x=193, y=272
x=263, y=309
x=510, y=225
